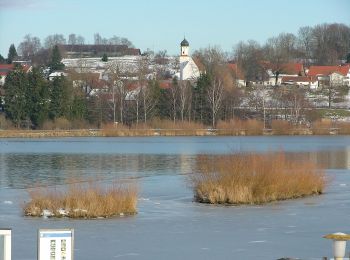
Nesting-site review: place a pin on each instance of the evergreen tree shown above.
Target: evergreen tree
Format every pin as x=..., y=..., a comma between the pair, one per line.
x=78, y=108
x=37, y=98
x=59, y=98
x=12, y=54
x=15, y=96
x=2, y=59
x=201, y=110
x=55, y=61
x=104, y=57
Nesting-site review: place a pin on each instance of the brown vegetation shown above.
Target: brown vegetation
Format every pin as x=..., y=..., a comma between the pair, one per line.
x=83, y=201
x=155, y=127
x=240, y=127
x=322, y=127
x=281, y=127
x=62, y=123
x=254, y=179
x=343, y=128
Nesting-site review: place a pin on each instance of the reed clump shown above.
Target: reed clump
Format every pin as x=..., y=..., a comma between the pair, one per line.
x=281, y=127
x=343, y=128
x=254, y=178
x=322, y=127
x=241, y=127
x=83, y=200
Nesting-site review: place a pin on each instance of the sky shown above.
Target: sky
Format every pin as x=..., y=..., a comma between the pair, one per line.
x=162, y=24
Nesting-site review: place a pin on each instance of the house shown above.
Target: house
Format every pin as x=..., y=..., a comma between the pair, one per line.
x=238, y=74
x=6, y=68
x=336, y=75
x=305, y=81
x=277, y=72
x=57, y=74
x=96, y=50
x=189, y=70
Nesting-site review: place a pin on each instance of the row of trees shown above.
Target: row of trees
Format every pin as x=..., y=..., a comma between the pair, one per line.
x=323, y=44
x=30, y=99
x=32, y=48
x=212, y=97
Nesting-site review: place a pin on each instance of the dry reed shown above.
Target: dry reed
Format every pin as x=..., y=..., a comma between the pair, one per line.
x=83, y=200
x=343, y=128
x=322, y=127
x=254, y=179
x=281, y=127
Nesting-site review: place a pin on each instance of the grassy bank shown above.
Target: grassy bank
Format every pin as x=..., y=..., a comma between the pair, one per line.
x=250, y=127
x=254, y=179
x=82, y=201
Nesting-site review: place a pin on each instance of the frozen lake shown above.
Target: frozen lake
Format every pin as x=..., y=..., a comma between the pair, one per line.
x=168, y=224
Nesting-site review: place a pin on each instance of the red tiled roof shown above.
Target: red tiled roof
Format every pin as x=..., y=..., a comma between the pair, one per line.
x=236, y=70
x=26, y=68
x=165, y=84
x=327, y=70
x=5, y=69
x=291, y=68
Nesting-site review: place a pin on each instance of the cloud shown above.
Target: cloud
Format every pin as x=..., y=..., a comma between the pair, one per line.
x=21, y=4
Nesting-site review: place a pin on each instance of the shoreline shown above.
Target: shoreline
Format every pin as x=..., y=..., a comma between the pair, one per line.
x=166, y=132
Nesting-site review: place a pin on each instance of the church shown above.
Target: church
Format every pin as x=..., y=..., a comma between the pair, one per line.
x=189, y=69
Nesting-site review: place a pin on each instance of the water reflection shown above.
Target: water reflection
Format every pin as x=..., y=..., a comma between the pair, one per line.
x=26, y=170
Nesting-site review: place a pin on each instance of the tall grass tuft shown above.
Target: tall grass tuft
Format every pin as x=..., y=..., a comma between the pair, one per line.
x=254, y=178
x=281, y=127
x=83, y=200
x=241, y=127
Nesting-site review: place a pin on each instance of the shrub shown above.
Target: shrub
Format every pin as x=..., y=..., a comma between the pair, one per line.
x=83, y=201
x=254, y=178
x=57, y=124
x=5, y=123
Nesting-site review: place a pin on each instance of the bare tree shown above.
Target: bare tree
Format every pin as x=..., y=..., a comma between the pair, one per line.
x=183, y=89
x=80, y=40
x=148, y=100
x=279, y=51
x=55, y=39
x=173, y=91
x=248, y=56
x=117, y=89
x=97, y=39
x=142, y=71
x=305, y=43
x=29, y=46
x=72, y=39
x=215, y=95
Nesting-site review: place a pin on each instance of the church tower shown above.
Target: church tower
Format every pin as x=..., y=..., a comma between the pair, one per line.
x=188, y=68
x=185, y=47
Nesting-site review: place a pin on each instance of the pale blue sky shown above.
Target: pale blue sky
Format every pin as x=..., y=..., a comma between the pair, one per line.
x=161, y=24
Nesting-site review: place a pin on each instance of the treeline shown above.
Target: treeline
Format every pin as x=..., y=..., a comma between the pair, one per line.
x=30, y=100
x=323, y=44
x=38, y=52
